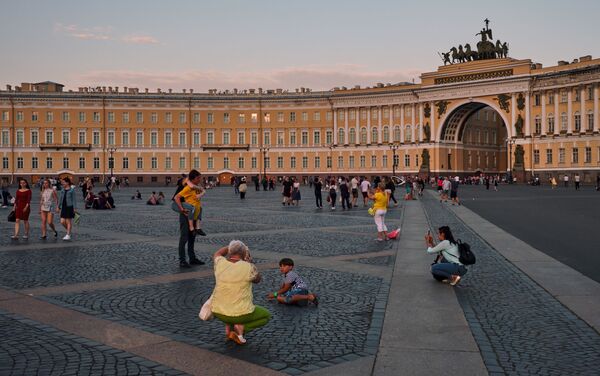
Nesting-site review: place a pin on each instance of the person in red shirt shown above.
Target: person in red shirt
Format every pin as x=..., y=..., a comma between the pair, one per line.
x=22, y=208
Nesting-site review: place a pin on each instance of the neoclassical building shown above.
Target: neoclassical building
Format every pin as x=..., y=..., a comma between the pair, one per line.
x=494, y=116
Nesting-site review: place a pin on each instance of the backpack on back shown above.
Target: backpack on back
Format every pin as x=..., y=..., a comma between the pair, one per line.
x=466, y=256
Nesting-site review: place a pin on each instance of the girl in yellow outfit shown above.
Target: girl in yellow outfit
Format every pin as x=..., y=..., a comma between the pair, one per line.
x=380, y=199
x=192, y=194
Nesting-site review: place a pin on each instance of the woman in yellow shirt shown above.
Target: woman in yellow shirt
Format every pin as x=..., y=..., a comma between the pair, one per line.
x=232, y=299
x=380, y=199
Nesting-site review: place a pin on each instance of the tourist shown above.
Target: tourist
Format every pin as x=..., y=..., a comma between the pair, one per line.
x=187, y=233
x=152, y=200
x=566, y=180
x=22, y=208
x=265, y=183
x=332, y=194
x=553, y=182
x=232, y=299
x=447, y=266
x=364, y=188
x=5, y=194
x=577, y=182
x=446, y=189
x=111, y=201
x=242, y=188
x=137, y=195
x=345, y=193
x=272, y=184
x=256, y=183
x=286, y=191
x=454, y=191
x=296, y=197
x=390, y=188
x=496, y=180
x=293, y=290
x=48, y=205
x=192, y=193
x=380, y=201
x=318, y=186
x=354, y=187
x=67, y=206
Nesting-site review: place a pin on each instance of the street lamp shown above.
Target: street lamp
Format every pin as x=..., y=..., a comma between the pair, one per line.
x=264, y=150
x=509, y=143
x=394, y=147
x=111, y=160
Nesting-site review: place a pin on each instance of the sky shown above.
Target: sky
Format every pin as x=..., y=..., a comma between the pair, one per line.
x=201, y=45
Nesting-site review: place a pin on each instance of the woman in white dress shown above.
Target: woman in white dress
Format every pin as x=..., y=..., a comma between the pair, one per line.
x=48, y=204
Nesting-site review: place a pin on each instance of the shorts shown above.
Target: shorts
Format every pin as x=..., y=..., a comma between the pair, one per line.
x=453, y=194
x=354, y=192
x=365, y=194
x=445, y=191
x=287, y=296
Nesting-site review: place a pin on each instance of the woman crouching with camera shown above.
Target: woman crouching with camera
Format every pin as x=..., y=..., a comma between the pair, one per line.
x=447, y=266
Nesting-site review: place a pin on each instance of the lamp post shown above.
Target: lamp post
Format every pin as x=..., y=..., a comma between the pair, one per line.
x=509, y=143
x=264, y=150
x=111, y=160
x=394, y=147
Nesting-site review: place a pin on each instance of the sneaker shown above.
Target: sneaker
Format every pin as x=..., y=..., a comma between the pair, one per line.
x=67, y=237
x=240, y=340
x=184, y=264
x=25, y=237
x=200, y=232
x=197, y=262
x=55, y=234
x=454, y=280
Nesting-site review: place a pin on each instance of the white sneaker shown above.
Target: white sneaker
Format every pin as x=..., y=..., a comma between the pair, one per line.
x=67, y=237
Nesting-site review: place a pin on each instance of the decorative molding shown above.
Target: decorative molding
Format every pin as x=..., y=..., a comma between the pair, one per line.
x=473, y=77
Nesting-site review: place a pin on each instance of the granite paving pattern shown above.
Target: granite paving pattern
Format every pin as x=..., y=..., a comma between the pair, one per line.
x=519, y=327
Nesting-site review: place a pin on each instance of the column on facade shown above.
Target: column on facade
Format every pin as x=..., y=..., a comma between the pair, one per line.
x=391, y=123
x=556, y=114
x=582, y=116
x=421, y=122
x=570, y=111
x=402, y=123
x=346, y=135
x=413, y=119
x=335, y=130
x=368, y=125
x=513, y=116
x=527, y=115
x=379, y=124
x=596, y=122
x=357, y=130
x=543, y=129
x=432, y=131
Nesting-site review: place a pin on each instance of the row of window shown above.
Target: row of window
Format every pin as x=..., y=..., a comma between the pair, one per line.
x=564, y=122
x=241, y=162
x=210, y=137
x=564, y=96
x=587, y=155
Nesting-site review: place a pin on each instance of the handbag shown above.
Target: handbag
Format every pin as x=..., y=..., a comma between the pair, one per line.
x=77, y=218
x=12, y=216
x=205, y=313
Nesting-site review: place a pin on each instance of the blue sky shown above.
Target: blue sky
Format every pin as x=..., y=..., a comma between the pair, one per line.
x=271, y=44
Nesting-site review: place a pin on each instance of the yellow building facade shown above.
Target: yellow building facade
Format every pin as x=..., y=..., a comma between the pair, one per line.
x=464, y=119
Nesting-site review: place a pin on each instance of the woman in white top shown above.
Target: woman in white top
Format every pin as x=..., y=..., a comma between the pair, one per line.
x=48, y=204
x=447, y=266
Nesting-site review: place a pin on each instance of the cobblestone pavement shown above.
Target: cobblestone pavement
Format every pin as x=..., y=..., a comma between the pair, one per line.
x=29, y=348
x=519, y=327
x=137, y=241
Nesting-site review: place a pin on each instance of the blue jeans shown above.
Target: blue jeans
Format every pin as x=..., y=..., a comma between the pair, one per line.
x=445, y=270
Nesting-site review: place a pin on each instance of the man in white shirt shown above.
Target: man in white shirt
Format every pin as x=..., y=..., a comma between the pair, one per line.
x=577, y=181
x=364, y=188
x=354, y=187
x=566, y=179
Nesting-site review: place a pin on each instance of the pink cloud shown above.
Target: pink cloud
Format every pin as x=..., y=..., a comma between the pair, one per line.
x=314, y=77
x=140, y=39
x=95, y=33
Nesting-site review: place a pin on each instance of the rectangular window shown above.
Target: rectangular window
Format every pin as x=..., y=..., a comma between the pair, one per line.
x=406, y=160
x=254, y=138
x=292, y=162
x=267, y=117
x=267, y=140
x=293, y=138
x=304, y=162
x=111, y=117
x=577, y=123
x=182, y=163
x=19, y=162
x=65, y=163
x=125, y=138
x=210, y=138
x=575, y=155
x=65, y=137
x=588, y=155
x=351, y=161
x=5, y=137
x=4, y=162
x=305, y=116
x=340, y=163
x=550, y=98
x=196, y=138
x=82, y=163
x=317, y=162
x=384, y=161
x=168, y=163
x=49, y=116
x=538, y=125
x=279, y=162
x=341, y=115
x=548, y=156
x=280, y=136
x=35, y=138
x=226, y=117
x=563, y=96
x=139, y=138
x=81, y=117
x=66, y=117
x=304, y=138
x=253, y=162
x=182, y=139
x=96, y=163
x=125, y=163
x=329, y=137
x=210, y=118
x=20, y=137
x=168, y=138
x=154, y=163
x=561, y=155
x=317, y=116
x=241, y=162
x=34, y=163
x=226, y=138
x=317, y=138
x=153, y=138
x=5, y=116
x=34, y=116
x=241, y=118
x=536, y=157
x=139, y=163
x=48, y=163
x=292, y=117
x=267, y=162
x=96, y=117
x=536, y=100
x=196, y=118
x=280, y=117
x=210, y=163
x=241, y=138
x=139, y=117
x=96, y=138
x=329, y=162
x=197, y=163
x=182, y=118
x=125, y=117
x=328, y=116
x=49, y=137
x=363, y=161
x=373, y=161
x=154, y=118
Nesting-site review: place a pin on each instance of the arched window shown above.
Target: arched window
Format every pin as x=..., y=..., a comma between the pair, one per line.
x=352, y=136
x=386, y=134
x=363, y=135
x=341, y=136
x=397, y=134
x=564, y=120
x=550, y=123
x=577, y=122
x=374, y=136
x=407, y=134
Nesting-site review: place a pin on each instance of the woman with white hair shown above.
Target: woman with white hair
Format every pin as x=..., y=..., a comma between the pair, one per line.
x=232, y=299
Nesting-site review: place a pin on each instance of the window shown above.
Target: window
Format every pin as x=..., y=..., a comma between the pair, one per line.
x=292, y=117
x=153, y=138
x=182, y=118
x=139, y=138
x=154, y=163
x=317, y=137
x=267, y=117
x=293, y=138
x=196, y=118
x=317, y=162
x=352, y=136
x=280, y=136
x=563, y=96
x=351, y=161
x=253, y=162
x=374, y=114
x=328, y=116
x=182, y=139
x=139, y=163
x=20, y=137
x=341, y=115
x=82, y=163
x=341, y=136
x=548, y=156
x=49, y=116
x=34, y=163
x=4, y=162
x=96, y=117
x=280, y=117
x=226, y=117
x=48, y=163
x=82, y=117
x=168, y=163
x=329, y=137
x=254, y=117
x=363, y=135
x=34, y=116
x=210, y=138
x=125, y=117
x=317, y=116
x=254, y=138
x=125, y=163
x=384, y=161
x=550, y=98
x=536, y=100
x=373, y=161
x=19, y=115
x=111, y=117
x=293, y=162
x=408, y=111
x=577, y=122
x=96, y=138
x=96, y=163
x=588, y=155
x=564, y=120
x=406, y=160
x=417, y=160
x=182, y=163
x=550, y=123
x=81, y=137
x=561, y=155
x=241, y=162
x=386, y=112
x=65, y=163
x=590, y=121
x=49, y=137
x=386, y=134
x=6, y=116
x=154, y=117
x=538, y=125
x=279, y=162
x=536, y=157
x=363, y=161
x=304, y=138
x=196, y=162
x=340, y=162
x=590, y=93
x=196, y=138
x=168, y=138
x=35, y=138
x=125, y=138
x=407, y=134
x=66, y=117
x=305, y=162
x=575, y=155
x=19, y=162
x=139, y=117
x=267, y=138
x=577, y=95
x=226, y=138
x=329, y=162
x=209, y=118
x=267, y=162
x=65, y=137
x=241, y=118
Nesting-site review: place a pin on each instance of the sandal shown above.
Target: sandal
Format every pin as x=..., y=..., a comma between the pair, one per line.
x=240, y=340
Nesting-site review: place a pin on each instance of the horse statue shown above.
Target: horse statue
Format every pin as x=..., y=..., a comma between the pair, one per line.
x=486, y=50
x=505, y=49
x=457, y=55
x=469, y=54
x=461, y=54
x=498, y=50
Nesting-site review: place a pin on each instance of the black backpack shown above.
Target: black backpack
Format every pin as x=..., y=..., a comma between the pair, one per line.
x=466, y=256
